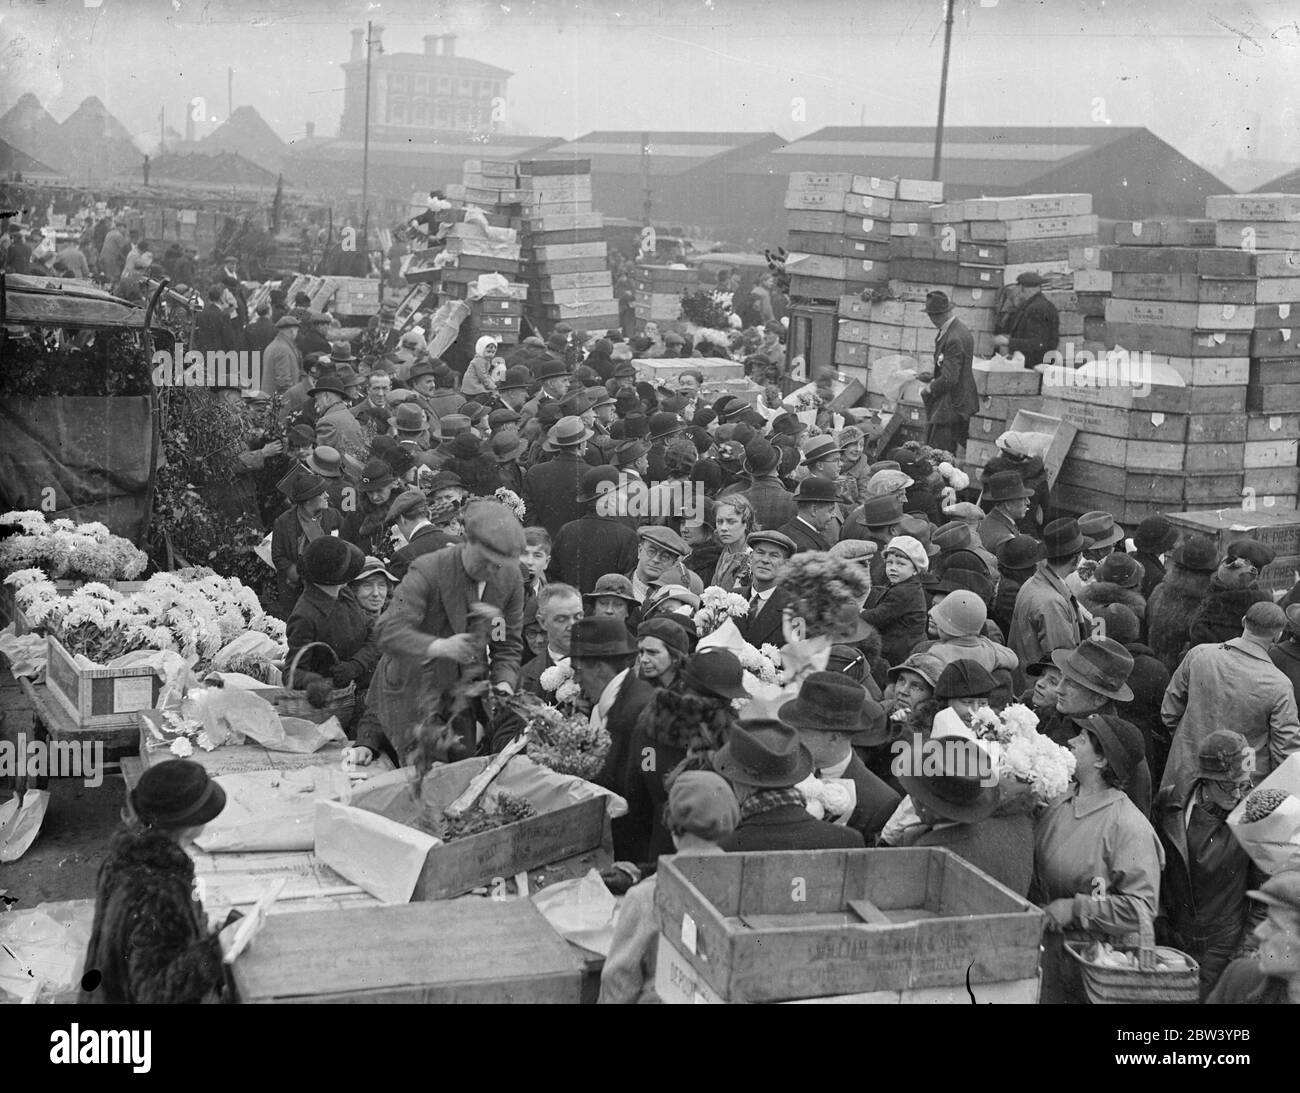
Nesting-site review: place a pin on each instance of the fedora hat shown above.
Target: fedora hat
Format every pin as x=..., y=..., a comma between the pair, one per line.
x=375, y=475
x=575, y=403
x=1121, y=743
x=1020, y=552
x=329, y=384
x=305, y=487
x=518, y=377
x=663, y=425
x=789, y=424
x=1101, y=528
x=176, y=794
x=815, y=491
x=823, y=447
x=1061, y=538
x=1155, y=535
x=568, y=432
x=421, y=369
x=326, y=462
x=551, y=368
x=1006, y=486
x=507, y=445
x=763, y=753
x=937, y=303
x=881, y=512
x=592, y=481
x=600, y=637
x=958, y=792
x=410, y=418
x=330, y=560
x=1099, y=664
x=613, y=584
x=341, y=353
x=826, y=702
x=717, y=672
x=1198, y=554
x=629, y=451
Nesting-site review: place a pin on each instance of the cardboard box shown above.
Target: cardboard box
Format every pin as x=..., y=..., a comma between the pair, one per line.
x=473, y=951
x=872, y=920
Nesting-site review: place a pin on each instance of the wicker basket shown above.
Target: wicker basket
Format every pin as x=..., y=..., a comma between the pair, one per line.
x=1137, y=986
x=292, y=703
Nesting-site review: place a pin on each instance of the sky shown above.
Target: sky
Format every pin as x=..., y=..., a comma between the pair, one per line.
x=1215, y=80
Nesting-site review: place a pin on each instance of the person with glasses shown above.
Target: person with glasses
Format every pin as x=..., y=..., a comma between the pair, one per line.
x=1205, y=910
x=659, y=556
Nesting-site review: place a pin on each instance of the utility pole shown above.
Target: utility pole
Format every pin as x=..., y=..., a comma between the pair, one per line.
x=162, y=130
x=230, y=91
x=645, y=178
x=365, y=147
x=943, y=90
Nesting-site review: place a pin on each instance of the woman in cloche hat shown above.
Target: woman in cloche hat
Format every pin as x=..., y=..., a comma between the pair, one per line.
x=150, y=941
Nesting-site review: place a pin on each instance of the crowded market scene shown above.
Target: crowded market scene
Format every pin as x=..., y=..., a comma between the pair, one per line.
x=840, y=564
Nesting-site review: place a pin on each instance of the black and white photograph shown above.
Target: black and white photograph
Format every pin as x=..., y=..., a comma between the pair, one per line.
x=613, y=502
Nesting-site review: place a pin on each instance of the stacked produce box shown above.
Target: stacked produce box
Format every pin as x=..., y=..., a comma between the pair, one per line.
x=659, y=291
x=839, y=226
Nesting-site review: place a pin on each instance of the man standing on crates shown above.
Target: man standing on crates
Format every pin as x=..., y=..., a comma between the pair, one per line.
x=949, y=393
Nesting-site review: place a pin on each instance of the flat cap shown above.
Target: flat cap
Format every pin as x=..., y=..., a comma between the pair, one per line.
x=493, y=526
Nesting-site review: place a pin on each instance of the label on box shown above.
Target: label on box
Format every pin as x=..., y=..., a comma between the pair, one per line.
x=688, y=934
x=132, y=693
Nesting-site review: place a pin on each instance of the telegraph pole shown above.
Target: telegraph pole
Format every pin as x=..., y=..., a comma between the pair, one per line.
x=943, y=89
x=365, y=149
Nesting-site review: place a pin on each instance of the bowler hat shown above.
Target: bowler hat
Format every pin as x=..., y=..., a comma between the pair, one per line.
x=495, y=528
x=629, y=451
x=964, y=679
x=375, y=475
x=823, y=447
x=1020, y=552
x=1222, y=756
x=775, y=538
x=937, y=303
x=1155, y=535
x=598, y=637
x=330, y=560
x=881, y=512
x=763, y=753
x=1100, y=527
x=826, y=702
x=305, y=487
x=568, y=432
x=612, y=584
x=507, y=445
x=760, y=457
x=410, y=418
x=1197, y=553
x=326, y=462
x=518, y=377
x=177, y=794
x=596, y=483
x=815, y=491
x=1061, y=538
x=1005, y=486
x=1099, y=664
x=409, y=502
x=958, y=791
x=1121, y=743
x=663, y=425
x=329, y=384
x=551, y=368
x=717, y=672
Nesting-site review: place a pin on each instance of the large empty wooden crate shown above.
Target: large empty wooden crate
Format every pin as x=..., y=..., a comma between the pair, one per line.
x=789, y=925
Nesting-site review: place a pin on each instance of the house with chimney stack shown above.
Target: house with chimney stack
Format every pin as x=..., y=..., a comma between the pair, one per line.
x=418, y=96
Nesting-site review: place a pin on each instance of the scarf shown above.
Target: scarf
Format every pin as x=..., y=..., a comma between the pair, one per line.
x=765, y=800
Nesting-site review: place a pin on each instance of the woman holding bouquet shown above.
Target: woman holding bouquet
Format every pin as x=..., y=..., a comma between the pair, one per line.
x=1097, y=860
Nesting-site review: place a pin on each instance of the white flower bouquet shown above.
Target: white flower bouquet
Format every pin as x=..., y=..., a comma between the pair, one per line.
x=65, y=550
x=558, y=680
x=716, y=607
x=829, y=798
x=1024, y=756
x=512, y=501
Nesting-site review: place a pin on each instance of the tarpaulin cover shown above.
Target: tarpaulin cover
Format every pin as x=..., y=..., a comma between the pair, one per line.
x=96, y=454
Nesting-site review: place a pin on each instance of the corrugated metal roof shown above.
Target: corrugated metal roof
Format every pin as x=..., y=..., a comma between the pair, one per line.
x=618, y=151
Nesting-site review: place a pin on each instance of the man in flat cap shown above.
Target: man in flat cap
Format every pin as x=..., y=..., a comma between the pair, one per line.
x=282, y=361
x=1034, y=327
x=950, y=397
x=408, y=513
x=659, y=557
x=436, y=637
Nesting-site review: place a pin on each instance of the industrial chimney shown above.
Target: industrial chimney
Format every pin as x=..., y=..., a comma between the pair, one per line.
x=449, y=45
x=311, y=129
x=431, y=44
x=378, y=32
x=357, y=35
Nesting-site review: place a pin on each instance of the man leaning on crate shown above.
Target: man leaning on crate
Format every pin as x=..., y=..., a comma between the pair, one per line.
x=433, y=645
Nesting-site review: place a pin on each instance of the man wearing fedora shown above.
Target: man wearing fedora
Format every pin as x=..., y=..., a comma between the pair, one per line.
x=553, y=376
x=817, y=510
x=551, y=489
x=663, y=428
x=602, y=653
x=1009, y=497
x=950, y=397
x=431, y=641
x=597, y=542
x=768, y=552
x=296, y=402
x=1232, y=683
x=309, y=518
x=763, y=760
x=828, y=712
x=505, y=448
x=1035, y=326
x=876, y=522
x=409, y=514
x=335, y=424
x=281, y=360
x=1046, y=615
x=1205, y=910
x=1017, y=559
x=1155, y=537
x=772, y=503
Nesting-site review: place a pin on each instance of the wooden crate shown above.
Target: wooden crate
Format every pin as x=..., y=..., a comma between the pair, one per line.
x=771, y=927
x=99, y=697
x=1278, y=528
x=472, y=951
x=989, y=381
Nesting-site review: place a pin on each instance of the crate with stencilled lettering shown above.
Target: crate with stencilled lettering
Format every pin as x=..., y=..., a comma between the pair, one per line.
x=785, y=925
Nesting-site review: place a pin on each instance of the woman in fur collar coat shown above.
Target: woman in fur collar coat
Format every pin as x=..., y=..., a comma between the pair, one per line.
x=1118, y=580
x=1231, y=593
x=1175, y=600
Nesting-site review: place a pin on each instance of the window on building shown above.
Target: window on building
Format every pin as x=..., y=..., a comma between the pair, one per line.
x=442, y=117
x=464, y=87
x=396, y=114
x=444, y=85
x=419, y=85
x=396, y=84
x=420, y=113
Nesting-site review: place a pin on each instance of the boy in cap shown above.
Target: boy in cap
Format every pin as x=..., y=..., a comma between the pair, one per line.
x=1205, y=911
x=896, y=608
x=1272, y=975
x=701, y=810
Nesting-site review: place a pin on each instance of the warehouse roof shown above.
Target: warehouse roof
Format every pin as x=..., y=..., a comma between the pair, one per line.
x=12, y=160
x=671, y=153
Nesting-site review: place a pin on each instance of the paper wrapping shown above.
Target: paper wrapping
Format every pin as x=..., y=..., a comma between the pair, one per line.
x=272, y=809
x=1273, y=843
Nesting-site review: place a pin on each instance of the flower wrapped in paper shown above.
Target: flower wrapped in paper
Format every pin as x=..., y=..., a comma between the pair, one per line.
x=1024, y=758
x=1267, y=822
x=717, y=607
x=567, y=743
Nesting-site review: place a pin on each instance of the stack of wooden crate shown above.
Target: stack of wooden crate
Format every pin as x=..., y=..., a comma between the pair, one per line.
x=839, y=226
x=659, y=291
